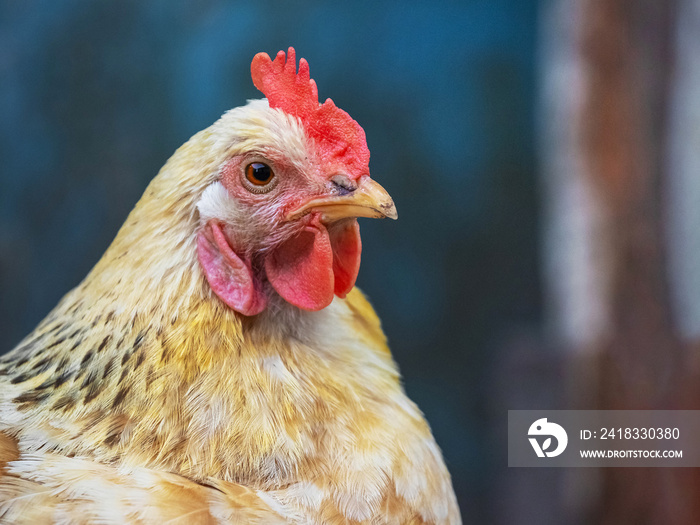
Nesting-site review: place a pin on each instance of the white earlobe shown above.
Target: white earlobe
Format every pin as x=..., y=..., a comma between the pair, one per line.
x=217, y=203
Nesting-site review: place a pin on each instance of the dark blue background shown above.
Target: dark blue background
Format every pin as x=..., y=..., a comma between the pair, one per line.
x=94, y=97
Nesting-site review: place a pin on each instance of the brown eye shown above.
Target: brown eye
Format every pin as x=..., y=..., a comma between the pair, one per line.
x=259, y=174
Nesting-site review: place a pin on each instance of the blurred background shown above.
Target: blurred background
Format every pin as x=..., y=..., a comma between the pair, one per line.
x=543, y=156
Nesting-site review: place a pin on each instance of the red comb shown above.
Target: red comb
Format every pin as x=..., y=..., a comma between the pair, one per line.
x=340, y=139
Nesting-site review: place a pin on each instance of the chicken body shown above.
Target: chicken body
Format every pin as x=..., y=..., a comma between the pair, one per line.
x=144, y=396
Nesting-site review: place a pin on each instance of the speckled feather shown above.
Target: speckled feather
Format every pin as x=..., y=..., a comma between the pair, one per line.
x=142, y=398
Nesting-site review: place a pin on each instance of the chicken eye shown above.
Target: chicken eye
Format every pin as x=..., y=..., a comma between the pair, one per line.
x=259, y=174
x=258, y=177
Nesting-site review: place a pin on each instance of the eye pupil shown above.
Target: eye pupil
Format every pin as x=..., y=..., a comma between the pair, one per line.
x=258, y=173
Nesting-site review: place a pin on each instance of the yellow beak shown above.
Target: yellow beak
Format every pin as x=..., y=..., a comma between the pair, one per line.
x=368, y=200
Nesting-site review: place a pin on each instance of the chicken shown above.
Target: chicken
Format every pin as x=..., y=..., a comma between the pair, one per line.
x=217, y=365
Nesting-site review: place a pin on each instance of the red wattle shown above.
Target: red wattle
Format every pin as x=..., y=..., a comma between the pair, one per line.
x=301, y=268
x=347, y=249
x=230, y=278
x=306, y=270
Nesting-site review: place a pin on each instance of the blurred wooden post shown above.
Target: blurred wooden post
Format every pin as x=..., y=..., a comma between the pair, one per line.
x=627, y=52
x=609, y=99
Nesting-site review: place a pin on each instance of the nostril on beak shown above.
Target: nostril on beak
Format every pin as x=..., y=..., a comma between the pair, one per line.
x=343, y=185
